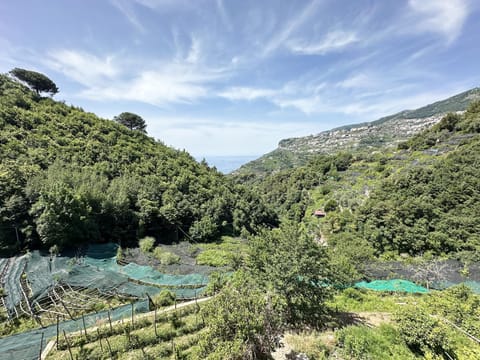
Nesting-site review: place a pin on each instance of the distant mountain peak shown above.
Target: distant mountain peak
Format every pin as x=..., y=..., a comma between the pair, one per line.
x=386, y=131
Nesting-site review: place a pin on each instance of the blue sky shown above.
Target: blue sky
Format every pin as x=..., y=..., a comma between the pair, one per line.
x=233, y=77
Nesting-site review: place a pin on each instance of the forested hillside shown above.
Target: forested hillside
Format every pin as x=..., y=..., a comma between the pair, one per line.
x=68, y=177
x=421, y=197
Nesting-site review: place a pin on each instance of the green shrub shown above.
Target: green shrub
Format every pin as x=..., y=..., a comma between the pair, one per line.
x=164, y=298
x=384, y=342
x=421, y=331
x=216, y=282
x=214, y=257
x=165, y=257
x=119, y=254
x=146, y=244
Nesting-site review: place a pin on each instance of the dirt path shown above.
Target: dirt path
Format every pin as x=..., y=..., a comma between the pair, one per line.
x=282, y=351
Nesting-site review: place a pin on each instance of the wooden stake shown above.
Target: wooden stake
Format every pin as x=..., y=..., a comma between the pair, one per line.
x=84, y=327
x=65, y=307
x=58, y=321
x=110, y=321
x=100, y=340
x=41, y=347
x=68, y=344
x=155, y=321
x=109, y=348
x=133, y=325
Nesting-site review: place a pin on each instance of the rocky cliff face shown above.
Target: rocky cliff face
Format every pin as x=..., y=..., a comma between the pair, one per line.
x=387, y=131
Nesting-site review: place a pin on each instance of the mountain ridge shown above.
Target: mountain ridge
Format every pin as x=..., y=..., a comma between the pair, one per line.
x=386, y=131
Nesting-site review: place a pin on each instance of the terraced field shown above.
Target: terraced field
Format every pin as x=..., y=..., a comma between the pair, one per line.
x=168, y=334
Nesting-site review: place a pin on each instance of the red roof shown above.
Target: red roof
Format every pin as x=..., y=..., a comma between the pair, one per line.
x=319, y=213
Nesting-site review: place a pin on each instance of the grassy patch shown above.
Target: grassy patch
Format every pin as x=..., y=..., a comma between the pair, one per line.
x=214, y=257
x=384, y=342
x=221, y=253
x=314, y=344
x=352, y=299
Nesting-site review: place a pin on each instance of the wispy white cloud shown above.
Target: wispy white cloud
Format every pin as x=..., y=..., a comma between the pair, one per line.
x=247, y=93
x=360, y=80
x=300, y=95
x=174, y=83
x=167, y=4
x=443, y=17
x=224, y=15
x=308, y=104
x=85, y=68
x=333, y=41
x=126, y=7
x=158, y=83
x=194, y=53
x=290, y=27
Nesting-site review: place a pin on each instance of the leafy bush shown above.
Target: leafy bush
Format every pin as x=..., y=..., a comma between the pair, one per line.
x=146, y=244
x=421, y=331
x=214, y=257
x=165, y=257
x=164, y=298
x=216, y=282
x=384, y=342
x=119, y=254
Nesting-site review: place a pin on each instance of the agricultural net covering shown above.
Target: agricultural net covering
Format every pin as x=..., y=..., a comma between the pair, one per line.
x=396, y=285
x=437, y=274
x=28, y=345
x=98, y=269
x=11, y=277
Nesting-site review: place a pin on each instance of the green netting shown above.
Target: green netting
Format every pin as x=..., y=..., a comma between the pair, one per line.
x=473, y=285
x=3, y=263
x=44, y=271
x=150, y=275
x=397, y=285
x=103, y=257
x=98, y=269
x=11, y=283
x=26, y=346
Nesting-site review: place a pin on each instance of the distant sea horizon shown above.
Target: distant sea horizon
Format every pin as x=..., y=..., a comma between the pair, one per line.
x=227, y=163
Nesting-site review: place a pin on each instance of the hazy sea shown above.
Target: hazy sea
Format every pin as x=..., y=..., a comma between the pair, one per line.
x=226, y=164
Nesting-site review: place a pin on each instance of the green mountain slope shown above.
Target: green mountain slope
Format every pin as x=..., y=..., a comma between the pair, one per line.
x=420, y=197
x=383, y=132
x=68, y=177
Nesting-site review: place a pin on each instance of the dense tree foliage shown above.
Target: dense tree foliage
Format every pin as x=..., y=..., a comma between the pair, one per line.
x=435, y=207
x=131, y=121
x=424, y=197
x=434, y=325
x=296, y=268
x=288, y=190
x=243, y=321
x=68, y=177
x=285, y=282
x=35, y=80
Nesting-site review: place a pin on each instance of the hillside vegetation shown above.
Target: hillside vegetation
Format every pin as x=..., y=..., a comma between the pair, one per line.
x=68, y=177
x=421, y=197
